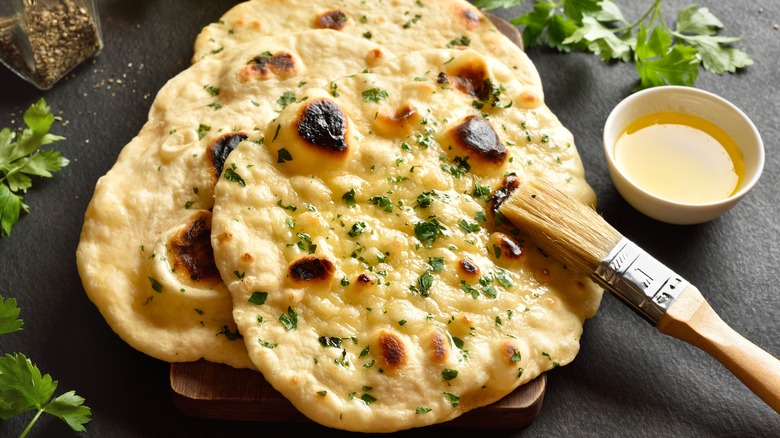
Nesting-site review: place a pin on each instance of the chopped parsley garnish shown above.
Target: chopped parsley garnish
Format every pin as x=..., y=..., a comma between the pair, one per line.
x=425, y=282
x=461, y=167
x=305, y=243
x=287, y=98
x=471, y=290
x=453, y=398
x=330, y=341
x=231, y=175
x=462, y=41
x=334, y=89
x=428, y=231
x=412, y=21
x=283, y=155
x=422, y=410
x=156, y=285
x=357, y=229
x=214, y=91
x=503, y=277
x=349, y=198
x=289, y=320
x=258, y=298
x=425, y=199
x=480, y=191
x=286, y=207
x=449, y=374
x=436, y=263
x=469, y=227
x=267, y=344
x=374, y=95
x=203, y=130
x=383, y=202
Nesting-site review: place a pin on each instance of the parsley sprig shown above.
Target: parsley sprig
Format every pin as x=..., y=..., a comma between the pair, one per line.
x=21, y=159
x=662, y=54
x=23, y=388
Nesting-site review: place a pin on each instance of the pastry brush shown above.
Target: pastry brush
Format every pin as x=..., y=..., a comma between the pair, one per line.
x=578, y=236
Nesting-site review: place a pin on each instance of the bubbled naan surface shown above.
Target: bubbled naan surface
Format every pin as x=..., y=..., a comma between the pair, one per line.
x=399, y=25
x=373, y=285
x=144, y=256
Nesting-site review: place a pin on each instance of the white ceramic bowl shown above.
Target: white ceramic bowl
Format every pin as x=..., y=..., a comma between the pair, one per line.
x=695, y=102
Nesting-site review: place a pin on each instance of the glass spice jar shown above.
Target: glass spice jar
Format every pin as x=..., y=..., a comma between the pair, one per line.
x=43, y=40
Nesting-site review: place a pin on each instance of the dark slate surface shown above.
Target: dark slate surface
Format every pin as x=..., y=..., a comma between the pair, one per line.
x=627, y=380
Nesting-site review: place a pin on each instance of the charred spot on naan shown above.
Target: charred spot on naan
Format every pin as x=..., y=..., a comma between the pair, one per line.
x=468, y=73
x=364, y=280
x=219, y=150
x=395, y=122
x=311, y=269
x=468, y=268
x=503, y=191
x=475, y=138
x=392, y=351
x=375, y=56
x=267, y=65
x=334, y=19
x=468, y=16
x=323, y=124
x=508, y=248
x=190, y=249
x=310, y=136
x=439, y=347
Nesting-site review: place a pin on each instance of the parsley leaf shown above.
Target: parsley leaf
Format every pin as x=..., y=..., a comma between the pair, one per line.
x=21, y=159
x=23, y=388
x=9, y=316
x=488, y=5
x=662, y=55
x=698, y=27
x=660, y=64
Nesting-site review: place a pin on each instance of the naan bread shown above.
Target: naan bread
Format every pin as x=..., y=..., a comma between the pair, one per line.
x=399, y=25
x=145, y=257
x=373, y=283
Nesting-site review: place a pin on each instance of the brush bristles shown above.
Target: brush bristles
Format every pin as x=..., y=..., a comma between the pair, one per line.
x=569, y=230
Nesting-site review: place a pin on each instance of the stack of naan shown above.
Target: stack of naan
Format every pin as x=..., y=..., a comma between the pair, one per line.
x=315, y=198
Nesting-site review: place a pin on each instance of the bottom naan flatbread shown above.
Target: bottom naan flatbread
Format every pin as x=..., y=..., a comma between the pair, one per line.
x=374, y=285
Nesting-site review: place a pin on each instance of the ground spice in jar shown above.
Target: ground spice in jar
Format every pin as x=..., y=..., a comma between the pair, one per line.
x=51, y=38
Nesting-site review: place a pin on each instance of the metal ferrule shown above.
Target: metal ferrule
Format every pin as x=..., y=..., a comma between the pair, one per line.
x=639, y=280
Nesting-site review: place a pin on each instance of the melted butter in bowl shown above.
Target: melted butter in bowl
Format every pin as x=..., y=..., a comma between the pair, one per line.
x=681, y=155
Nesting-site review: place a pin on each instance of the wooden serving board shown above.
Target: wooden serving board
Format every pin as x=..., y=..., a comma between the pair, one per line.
x=209, y=390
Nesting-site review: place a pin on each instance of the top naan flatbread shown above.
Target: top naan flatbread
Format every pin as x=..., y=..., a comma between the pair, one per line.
x=144, y=256
x=399, y=25
x=373, y=283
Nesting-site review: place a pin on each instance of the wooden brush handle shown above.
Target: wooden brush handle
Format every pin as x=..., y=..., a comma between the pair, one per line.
x=692, y=320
